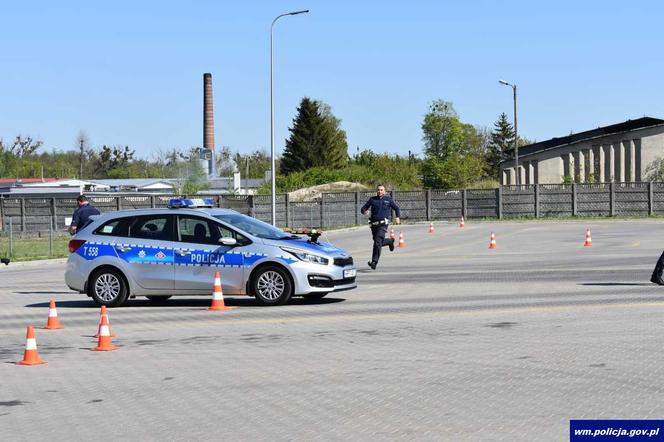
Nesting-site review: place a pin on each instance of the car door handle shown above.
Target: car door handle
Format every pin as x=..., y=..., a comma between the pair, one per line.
x=121, y=248
x=183, y=252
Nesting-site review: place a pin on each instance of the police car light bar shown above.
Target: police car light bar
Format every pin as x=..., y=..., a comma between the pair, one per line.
x=190, y=203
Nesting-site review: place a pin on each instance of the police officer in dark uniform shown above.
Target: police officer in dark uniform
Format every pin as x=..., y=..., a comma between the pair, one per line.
x=82, y=214
x=381, y=207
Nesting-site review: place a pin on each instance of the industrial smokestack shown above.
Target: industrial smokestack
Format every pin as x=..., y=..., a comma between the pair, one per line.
x=208, y=120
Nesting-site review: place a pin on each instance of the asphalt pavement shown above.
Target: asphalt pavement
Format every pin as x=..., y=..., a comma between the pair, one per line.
x=445, y=340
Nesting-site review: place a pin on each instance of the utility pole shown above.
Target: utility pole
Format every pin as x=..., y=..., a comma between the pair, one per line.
x=80, y=170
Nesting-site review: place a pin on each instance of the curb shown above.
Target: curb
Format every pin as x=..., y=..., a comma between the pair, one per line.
x=35, y=263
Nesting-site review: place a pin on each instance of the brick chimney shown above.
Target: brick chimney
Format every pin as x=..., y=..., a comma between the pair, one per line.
x=208, y=113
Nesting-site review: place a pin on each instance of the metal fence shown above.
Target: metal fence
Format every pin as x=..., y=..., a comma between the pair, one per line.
x=343, y=208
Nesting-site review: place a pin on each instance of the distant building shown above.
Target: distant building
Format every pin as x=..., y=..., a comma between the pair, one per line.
x=619, y=153
x=155, y=185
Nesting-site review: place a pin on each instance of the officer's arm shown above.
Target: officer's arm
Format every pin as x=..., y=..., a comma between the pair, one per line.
x=74, y=222
x=397, y=211
x=365, y=207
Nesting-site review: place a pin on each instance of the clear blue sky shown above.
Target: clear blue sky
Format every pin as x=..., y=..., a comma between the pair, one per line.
x=130, y=72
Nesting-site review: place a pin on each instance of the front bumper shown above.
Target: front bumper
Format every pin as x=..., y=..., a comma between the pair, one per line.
x=315, y=278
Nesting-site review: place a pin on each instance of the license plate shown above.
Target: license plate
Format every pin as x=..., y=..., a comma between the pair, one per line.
x=350, y=273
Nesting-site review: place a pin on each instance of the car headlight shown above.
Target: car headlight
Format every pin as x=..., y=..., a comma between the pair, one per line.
x=306, y=257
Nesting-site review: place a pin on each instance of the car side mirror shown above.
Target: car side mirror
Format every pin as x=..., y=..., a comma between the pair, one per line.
x=228, y=241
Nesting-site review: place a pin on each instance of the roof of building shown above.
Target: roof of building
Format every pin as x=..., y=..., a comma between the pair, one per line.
x=134, y=182
x=625, y=126
x=11, y=181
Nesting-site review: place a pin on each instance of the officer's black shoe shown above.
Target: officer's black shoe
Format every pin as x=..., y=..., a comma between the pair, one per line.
x=5, y=261
x=656, y=280
x=392, y=246
x=372, y=264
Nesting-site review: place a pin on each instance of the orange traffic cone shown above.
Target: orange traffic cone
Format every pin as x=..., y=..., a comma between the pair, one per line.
x=105, y=342
x=430, y=227
x=461, y=224
x=30, y=356
x=589, y=241
x=102, y=314
x=402, y=243
x=492, y=242
x=53, y=323
x=218, y=295
x=391, y=232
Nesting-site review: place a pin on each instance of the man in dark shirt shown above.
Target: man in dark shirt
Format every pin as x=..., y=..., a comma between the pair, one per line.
x=381, y=211
x=82, y=214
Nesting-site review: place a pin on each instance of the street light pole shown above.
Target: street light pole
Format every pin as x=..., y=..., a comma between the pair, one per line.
x=273, y=174
x=516, y=133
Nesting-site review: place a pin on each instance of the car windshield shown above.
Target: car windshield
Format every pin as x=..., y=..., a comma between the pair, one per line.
x=254, y=226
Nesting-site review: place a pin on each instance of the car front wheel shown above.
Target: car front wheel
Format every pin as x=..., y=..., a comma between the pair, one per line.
x=271, y=285
x=108, y=287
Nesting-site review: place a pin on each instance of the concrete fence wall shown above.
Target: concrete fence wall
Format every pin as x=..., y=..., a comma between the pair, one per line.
x=343, y=209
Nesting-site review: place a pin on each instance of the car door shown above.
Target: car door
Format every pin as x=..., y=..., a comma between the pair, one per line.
x=199, y=254
x=148, y=251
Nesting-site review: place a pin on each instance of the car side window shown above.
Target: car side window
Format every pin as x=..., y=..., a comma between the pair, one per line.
x=197, y=230
x=156, y=227
x=228, y=233
x=115, y=227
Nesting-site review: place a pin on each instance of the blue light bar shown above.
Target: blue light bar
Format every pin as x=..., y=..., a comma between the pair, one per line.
x=190, y=203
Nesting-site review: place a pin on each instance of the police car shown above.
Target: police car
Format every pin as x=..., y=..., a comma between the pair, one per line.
x=159, y=253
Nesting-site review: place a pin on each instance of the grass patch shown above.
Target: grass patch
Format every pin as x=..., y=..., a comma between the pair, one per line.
x=33, y=248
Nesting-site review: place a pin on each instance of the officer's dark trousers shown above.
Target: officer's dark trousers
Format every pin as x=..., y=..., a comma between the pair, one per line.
x=657, y=273
x=378, y=232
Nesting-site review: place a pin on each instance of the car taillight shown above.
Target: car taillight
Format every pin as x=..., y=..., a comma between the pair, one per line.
x=74, y=244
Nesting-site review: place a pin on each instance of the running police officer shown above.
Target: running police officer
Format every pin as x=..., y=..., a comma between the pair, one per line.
x=381, y=207
x=82, y=215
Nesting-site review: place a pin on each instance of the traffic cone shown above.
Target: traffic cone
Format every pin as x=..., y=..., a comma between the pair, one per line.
x=102, y=313
x=589, y=241
x=53, y=323
x=402, y=243
x=430, y=227
x=492, y=242
x=218, y=295
x=391, y=232
x=30, y=356
x=105, y=342
x=461, y=224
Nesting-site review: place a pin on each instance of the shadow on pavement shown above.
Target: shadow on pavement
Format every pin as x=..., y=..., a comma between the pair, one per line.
x=46, y=292
x=190, y=302
x=617, y=283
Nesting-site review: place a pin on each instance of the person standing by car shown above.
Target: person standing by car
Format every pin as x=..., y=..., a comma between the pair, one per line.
x=82, y=214
x=381, y=207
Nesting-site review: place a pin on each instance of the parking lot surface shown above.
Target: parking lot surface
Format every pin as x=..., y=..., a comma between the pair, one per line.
x=446, y=340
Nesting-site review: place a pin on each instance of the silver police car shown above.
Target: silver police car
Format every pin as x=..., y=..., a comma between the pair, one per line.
x=159, y=253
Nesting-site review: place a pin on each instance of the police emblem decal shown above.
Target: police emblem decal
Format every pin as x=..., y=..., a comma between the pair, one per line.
x=160, y=255
x=141, y=254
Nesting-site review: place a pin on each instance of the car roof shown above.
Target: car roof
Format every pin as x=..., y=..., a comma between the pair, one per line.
x=151, y=211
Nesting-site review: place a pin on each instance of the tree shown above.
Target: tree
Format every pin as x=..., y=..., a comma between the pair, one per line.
x=316, y=139
x=443, y=131
x=82, y=143
x=254, y=164
x=454, y=151
x=502, y=141
x=21, y=147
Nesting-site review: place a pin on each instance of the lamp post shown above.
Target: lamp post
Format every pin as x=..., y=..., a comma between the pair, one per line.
x=272, y=167
x=516, y=133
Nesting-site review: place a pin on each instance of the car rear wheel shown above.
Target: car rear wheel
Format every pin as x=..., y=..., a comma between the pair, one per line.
x=271, y=285
x=158, y=298
x=108, y=287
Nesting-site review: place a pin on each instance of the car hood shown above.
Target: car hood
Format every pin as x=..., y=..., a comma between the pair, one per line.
x=322, y=248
